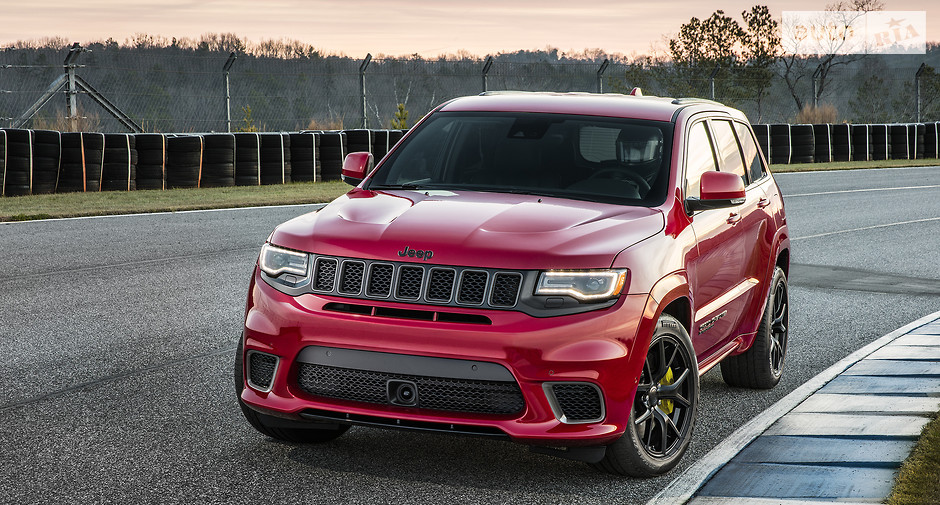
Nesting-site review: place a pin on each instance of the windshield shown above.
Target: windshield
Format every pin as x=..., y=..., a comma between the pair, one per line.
x=583, y=157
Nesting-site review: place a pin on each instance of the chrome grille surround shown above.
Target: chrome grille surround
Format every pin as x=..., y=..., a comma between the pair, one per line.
x=417, y=283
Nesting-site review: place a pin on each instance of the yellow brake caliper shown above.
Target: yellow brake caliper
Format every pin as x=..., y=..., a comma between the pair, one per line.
x=668, y=379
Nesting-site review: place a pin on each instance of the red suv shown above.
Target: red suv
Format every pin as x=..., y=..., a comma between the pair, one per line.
x=555, y=269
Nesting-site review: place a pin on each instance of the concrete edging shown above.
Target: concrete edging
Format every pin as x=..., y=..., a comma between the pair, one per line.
x=681, y=489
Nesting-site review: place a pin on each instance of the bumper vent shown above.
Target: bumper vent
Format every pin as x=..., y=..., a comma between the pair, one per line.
x=415, y=283
x=434, y=393
x=261, y=368
x=575, y=402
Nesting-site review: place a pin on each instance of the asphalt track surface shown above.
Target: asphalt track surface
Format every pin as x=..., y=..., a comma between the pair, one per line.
x=118, y=335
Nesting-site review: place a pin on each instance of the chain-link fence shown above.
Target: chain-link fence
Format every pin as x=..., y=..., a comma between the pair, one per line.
x=170, y=89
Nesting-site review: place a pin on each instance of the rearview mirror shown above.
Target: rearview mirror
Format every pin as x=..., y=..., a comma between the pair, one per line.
x=719, y=190
x=356, y=166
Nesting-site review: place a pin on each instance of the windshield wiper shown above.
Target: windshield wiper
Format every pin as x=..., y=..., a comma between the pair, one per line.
x=398, y=186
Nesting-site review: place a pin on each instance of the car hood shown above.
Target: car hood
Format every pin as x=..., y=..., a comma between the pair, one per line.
x=467, y=228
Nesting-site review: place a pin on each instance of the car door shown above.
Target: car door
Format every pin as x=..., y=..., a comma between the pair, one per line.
x=720, y=286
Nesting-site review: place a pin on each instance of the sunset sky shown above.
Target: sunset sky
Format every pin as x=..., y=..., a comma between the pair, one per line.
x=426, y=27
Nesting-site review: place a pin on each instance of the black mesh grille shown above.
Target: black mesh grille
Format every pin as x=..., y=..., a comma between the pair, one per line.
x=380, y=280
x=578, y=402
x=505, y=289
x=441, y=285
x=261, y=369
x=351, y=280
x=435, y=393
x=409, y=282
x=326, y=274
x=472, y=287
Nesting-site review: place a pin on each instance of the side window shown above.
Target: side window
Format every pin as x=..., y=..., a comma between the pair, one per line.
x=749, y=147
x=700, y=158
x=728, y=148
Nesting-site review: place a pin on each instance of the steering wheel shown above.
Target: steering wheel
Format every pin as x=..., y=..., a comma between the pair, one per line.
x=623, y=174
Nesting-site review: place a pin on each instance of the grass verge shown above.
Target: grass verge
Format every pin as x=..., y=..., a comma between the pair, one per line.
x=918, y=482
x=852, y=165
x=26, y=208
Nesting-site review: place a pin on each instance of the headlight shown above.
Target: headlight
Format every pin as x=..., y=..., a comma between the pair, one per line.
x=582, y=284
x=275, y=261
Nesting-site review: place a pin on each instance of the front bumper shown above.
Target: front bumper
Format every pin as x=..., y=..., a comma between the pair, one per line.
x=594, y=350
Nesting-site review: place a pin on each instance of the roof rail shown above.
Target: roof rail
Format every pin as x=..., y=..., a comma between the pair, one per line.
x=691, y=100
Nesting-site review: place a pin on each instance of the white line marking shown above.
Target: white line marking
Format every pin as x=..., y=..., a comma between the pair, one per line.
x=860, y=191
x=318, y=205
x=694, y=477
x=926, y=220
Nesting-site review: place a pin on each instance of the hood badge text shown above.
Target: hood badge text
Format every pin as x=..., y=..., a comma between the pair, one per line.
x=416, y=253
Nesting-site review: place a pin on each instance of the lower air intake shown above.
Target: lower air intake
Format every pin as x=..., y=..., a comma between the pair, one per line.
x=576, y=402
x=261, y=368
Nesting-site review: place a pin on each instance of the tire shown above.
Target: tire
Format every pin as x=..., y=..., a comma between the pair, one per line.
x=642, y=451
x=276, y=428
x=761, y=366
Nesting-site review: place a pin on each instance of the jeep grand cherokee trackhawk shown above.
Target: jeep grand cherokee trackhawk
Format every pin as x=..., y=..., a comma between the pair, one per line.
x=553, y=269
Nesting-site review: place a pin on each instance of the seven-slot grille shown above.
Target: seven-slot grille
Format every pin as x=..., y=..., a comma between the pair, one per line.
x=415, y=283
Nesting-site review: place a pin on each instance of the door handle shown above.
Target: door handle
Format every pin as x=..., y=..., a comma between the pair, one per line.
x=734, y=218
x=763, y=202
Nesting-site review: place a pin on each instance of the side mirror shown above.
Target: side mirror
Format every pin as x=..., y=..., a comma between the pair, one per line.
x=719, y=190
x=356, y=167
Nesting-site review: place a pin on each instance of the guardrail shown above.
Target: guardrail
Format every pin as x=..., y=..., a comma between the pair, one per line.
x=46, y=161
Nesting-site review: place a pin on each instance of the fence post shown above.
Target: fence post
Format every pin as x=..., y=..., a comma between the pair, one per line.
x=600, y=75
x=711, y=78
x=486, y=70
x=920, y=72
x=71, y=88
x=815, y=82
x=362, y=87
x=228, y=97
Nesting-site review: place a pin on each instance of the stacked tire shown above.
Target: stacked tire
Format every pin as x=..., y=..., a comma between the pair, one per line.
x=915, y=140
x=841, y=135
x=861, y=142
x=3, y=160
x=275, y=158
x=47, y=154
x=932, y=140
x=304, y=157
x=332, y=153
x=247, y=159
x=151, y=161
x=218, y=161
x=880, y=141
x=823, y=143
x=18, y=176
x=761, y=131
x=93, y=145
x=360, y=141
x=900, y=148
x=780, y=144
x=380, y=146
x=395, y=135
x=119, y=169
x=72, y=167
x=183, y=161
x=802, y=143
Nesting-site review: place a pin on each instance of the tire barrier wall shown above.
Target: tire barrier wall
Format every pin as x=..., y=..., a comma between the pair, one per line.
x=45, y=161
